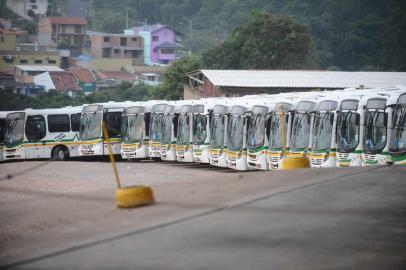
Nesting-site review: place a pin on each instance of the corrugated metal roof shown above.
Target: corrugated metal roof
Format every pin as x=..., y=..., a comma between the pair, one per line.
x=303, y=78
x=38, y=68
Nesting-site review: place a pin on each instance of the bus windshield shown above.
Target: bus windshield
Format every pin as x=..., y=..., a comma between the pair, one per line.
x=155, y=124
x=235, y=133
x=217, y=132
x=347, y=131
x=300, y=131
x=199, y=128
x=374, y=131
x=398, y=137
x=256, y=131
x=183, y=130
x=276, y=131
x=323, y=130
x=14, y=129
x=132, y=127
x=166, y=129
x=90, y=125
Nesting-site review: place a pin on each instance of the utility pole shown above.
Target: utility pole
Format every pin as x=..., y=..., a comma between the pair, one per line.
x=126, y=21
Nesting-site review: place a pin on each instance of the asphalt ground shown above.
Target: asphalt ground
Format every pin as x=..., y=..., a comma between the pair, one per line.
x=62, y=215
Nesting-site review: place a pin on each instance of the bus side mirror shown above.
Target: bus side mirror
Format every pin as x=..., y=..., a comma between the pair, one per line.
x=357, y=119
x=385, y=119
x=308, y=118
x=187, y=119
x=332, y=119
x=147, y=118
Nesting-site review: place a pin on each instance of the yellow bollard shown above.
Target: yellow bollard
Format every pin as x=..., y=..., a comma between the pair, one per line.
x=132, y=196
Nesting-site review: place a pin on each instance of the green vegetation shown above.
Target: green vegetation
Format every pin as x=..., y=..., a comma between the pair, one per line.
x=265, y=41
x=349, y=35
x=53, y=99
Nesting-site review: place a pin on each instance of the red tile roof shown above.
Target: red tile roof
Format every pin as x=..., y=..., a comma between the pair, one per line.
x=83, y=74
x=64, y=81
x=118, y=75
x=68, y=20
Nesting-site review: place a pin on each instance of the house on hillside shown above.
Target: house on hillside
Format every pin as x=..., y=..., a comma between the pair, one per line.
x=119, y=46
x=161, y=43
x=85, y=78
x=26, y=73
x=62, y=81
x=56, y=30
x=23, y=7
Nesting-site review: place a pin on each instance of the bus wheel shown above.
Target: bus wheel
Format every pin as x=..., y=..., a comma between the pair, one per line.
x=60, y=153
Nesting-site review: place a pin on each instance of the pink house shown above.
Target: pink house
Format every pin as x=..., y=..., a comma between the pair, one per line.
x=161, y=43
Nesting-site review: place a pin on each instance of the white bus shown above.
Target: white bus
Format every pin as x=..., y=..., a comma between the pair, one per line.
x=184, y=142
x=47, y=133
x=157, y=115
x=3, y=115
x=279, y=133
x=170, y=129
x=93, y=142
x=202, y=116
x=257, y=142
x=237, y=135
x=218, y=131
x=323, y=146
x=397, y=125
x=135, y=131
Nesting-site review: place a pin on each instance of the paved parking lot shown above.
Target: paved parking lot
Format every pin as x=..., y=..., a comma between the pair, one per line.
x=62, y=215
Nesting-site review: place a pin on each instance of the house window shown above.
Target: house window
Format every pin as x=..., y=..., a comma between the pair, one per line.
x=167, y=51
x=33, y=1
x=1, y=39
x=155, y=38
x=123, y=41
x=117, y=51
x=78, y=29
x=8, y=59
x=34, y=7
x=23, y=61
x=106, y=39
x=37, y=61
x=58, y=123
x=51, y=61
x=134, y=39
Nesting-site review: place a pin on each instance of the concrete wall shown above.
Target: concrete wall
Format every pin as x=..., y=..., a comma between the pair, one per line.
x=8, y=41
x=108, y=64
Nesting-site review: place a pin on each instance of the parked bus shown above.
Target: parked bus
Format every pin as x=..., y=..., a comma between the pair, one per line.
x=218, y=131
x=47, y=133
x=278, y=133
x=237, y=135
x=323, y=147
x=169, y=131
x=93, y=142
x=202, y=117
x=302, y=122
x=396, y=107
x=257, y=141
x=135, y=131
x=184, y=142
x=3, y=115
x=155, y=128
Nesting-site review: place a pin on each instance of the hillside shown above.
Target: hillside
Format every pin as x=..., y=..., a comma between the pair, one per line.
x=349, y=35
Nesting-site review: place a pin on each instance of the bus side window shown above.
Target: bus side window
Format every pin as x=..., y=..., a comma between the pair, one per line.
x=58, y=123
x=75, y=122
x=35, y=128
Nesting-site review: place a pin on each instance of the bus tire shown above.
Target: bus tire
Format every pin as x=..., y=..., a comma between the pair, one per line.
x=60, y=153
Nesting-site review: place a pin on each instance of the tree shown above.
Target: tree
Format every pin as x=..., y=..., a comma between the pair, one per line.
x=265, y=41
x=175, y=77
